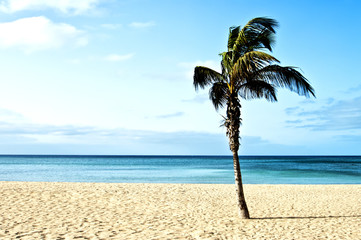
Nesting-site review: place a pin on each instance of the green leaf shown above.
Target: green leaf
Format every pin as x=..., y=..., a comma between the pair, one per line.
x=286, y=77
x=233, y=34
x=257, y=89
x=258, y=33
x=218, y=94
x=204, y=76
x=251, y=62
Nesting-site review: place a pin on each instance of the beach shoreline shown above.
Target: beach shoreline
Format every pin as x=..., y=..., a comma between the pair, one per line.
x=53, y=210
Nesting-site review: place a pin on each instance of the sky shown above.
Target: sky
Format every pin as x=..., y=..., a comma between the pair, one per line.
x=115, y=77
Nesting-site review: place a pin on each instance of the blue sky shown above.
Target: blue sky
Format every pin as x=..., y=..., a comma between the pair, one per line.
x=115, y=77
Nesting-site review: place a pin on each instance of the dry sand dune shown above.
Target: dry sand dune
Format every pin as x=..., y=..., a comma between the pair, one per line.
x=177, y=211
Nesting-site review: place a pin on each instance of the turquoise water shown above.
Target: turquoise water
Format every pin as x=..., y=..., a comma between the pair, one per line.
x=182, y=169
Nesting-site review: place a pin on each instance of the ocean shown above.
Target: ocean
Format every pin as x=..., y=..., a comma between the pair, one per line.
x=181, y=169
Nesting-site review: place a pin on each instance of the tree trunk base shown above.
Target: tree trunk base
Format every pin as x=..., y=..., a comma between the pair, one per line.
x=244, y=213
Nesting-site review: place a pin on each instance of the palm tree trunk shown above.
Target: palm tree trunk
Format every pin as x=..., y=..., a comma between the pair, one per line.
x=233, y=124
x=239, y=187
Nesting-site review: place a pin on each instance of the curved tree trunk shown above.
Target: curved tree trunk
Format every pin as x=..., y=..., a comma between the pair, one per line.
x=233, y=124
x=239, y=188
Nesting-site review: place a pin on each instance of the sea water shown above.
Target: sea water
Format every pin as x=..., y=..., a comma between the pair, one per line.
x=182, y=169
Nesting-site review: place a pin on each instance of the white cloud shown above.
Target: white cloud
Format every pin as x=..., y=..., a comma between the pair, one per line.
x=34, y=138
x=10, y=116
x=342, y=115
x=171, y=115
x=39, y=33
x=142, y=24
x=66, y=6
x=116, y=57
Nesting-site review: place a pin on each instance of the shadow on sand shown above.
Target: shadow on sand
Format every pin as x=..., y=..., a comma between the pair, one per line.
x=311, y=217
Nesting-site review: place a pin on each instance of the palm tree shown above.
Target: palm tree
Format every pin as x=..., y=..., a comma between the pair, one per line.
x=248, y=72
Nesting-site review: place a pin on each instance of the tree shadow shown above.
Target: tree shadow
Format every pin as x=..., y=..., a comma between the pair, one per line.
x=310, y=217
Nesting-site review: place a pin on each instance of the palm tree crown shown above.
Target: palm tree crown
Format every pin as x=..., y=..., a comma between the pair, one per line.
x=247, y=70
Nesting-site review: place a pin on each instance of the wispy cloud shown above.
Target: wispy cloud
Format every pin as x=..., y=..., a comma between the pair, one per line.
x=18, y=135
x=353, y=89
x=142, y=24
x=199, y=98
x=117, y=57
x=308, y=101
x=10, y=116
x=349, y=138
x=43, y=129
x=65, y=6
x=171, y=115
x=27, y=137
x=334, y=115
x=292, y=122
x=254, y=145
x=39, y=33
x=292, y=110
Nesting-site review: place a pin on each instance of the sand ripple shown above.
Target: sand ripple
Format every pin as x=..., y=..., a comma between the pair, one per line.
x=177, y=211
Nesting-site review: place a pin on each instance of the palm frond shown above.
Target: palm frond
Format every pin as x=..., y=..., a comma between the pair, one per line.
x=261, y=58
x=226, y=62
x=258, y=33
x=251, y=62
x=257, y=89
x=241, y=44
x=218, y=94
x=262, y=23
x=204, y=76
x=257, y=58
x=233, y=34
x=241, y=71
x=286, y=77
x=265, y=39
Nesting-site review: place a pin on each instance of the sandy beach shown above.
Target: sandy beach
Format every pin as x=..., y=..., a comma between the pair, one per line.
x=30, y=210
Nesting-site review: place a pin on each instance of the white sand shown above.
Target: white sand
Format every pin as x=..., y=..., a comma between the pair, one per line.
x=177, y=211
